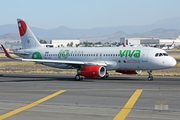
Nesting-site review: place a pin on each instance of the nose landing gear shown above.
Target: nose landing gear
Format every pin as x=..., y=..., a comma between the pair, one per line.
x=150, y=77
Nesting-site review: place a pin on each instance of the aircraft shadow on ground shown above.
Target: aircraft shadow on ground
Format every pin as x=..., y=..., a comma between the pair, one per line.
x=29, y=78
x=20, y=78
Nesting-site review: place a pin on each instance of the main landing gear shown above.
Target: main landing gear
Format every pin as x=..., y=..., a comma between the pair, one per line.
x=150, y=77
x=79, y=77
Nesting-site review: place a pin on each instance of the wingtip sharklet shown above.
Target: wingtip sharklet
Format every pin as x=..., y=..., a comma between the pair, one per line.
x=5, y=51
x=8, y=55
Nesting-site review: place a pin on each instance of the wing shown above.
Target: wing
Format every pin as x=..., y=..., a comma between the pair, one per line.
x=65, y=62
x=54, y=61
x=71, y=62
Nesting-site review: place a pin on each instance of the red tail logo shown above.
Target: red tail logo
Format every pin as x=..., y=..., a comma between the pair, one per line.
x=22, y=28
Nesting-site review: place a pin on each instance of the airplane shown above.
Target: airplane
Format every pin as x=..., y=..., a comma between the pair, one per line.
x=130, y=45
x=168, y=47
x=92, y=62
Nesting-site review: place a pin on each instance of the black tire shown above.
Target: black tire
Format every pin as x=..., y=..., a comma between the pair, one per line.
x=78, y=77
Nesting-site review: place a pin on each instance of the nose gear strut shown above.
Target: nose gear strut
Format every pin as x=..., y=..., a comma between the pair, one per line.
x=150, y=77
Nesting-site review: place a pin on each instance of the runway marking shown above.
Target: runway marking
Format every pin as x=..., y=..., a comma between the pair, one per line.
x=128, y=106
x=30, y=105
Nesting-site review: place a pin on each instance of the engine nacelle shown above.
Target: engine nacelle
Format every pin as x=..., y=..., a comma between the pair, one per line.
x=129, y=71
x=92, y=71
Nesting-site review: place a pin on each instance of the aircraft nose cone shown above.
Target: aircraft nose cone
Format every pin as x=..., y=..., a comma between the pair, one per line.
x=172, y=62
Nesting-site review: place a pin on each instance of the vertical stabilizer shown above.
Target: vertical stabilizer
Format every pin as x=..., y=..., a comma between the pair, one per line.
x=28, y=39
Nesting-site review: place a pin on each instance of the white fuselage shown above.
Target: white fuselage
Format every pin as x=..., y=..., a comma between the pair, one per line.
x=113, y=58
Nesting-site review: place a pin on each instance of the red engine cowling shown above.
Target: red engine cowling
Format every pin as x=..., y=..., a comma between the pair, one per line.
x=129, y=71
x=92, y=71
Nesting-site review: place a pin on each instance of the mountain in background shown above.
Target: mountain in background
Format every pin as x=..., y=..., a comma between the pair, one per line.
x=169, y=28
x=159, y=33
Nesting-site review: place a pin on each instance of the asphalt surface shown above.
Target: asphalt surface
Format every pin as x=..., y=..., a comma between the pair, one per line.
x=59, y=97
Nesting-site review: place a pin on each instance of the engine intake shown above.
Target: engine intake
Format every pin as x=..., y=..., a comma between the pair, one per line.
x=92, y=71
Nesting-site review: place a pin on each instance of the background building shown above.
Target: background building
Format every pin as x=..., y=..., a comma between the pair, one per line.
x=65, y=43
x=149, y=41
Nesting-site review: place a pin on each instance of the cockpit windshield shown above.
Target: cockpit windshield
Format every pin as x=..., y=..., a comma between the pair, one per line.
x=161, y=54
x=165, y=54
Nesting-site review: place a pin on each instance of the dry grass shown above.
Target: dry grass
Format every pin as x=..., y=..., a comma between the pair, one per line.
x=31, y=67
x=2, y=55
x=176, y=56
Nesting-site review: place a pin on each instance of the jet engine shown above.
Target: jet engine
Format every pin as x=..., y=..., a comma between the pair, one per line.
x=129, y=71
x=92, y=71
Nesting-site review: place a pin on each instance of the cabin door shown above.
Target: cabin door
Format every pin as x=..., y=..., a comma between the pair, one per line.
x=145, y=56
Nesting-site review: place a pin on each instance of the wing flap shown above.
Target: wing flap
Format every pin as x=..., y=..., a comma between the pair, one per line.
x=65, y=62
x=54, y=61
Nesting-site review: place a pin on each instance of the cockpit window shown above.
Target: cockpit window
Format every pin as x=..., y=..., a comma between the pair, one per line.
x=165, y=54
x=157, y=54
x=161, y=54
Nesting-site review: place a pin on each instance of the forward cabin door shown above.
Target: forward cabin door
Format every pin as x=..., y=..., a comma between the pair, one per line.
x=145, y=56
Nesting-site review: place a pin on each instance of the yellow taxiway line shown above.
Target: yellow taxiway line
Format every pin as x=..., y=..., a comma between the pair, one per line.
x=128, y=106
x=16, y=111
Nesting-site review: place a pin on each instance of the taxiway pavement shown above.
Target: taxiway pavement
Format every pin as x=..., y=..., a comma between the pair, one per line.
x=60, y=97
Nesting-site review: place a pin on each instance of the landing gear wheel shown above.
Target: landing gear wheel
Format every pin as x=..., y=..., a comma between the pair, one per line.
x=79, y=78
x=150, y=77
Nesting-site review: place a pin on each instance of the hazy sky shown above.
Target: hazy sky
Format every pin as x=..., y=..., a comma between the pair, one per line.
x=87, y=13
